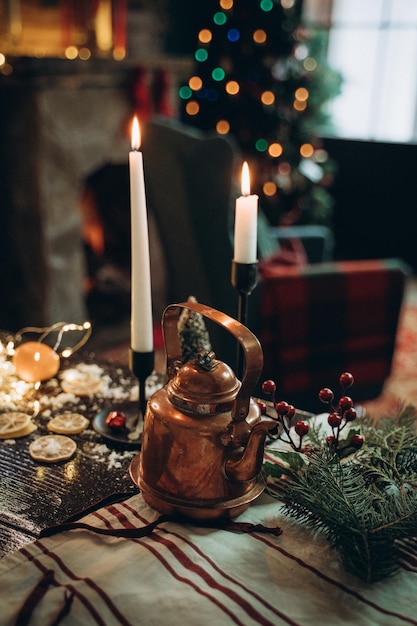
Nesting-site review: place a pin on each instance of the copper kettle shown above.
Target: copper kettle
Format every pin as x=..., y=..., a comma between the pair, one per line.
x=203, y=434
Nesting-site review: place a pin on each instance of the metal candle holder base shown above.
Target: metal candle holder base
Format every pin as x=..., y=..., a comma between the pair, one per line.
x=244, y=278
x=142, y=366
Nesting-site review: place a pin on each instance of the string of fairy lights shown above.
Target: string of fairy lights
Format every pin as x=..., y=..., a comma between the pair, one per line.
x=215, y=79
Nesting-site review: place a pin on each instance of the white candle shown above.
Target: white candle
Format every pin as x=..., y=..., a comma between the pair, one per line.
x=141, y=312
x=246, y=222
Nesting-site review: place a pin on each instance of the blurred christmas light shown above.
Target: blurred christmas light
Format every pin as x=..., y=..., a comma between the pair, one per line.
x=220, y=18
x=267, y=98
x=201, y=55
x=185, y=92
x=284, y=169
x=259, y=36
x=222, y=127
x=233, y=35
x=205, y=35
x=275, y=150
x=192, y=107
x=301, y=94
x=71, y=52
x=310, y=64
x=299, y=105
x=84, y=54
x=321, y=155
x=226, y=4
x=195, y=83
x=269, y=188
x=232, y=87
x=306, y=150
x=287, y=4
x=266, y=5
x=301, y=52
x=218, y=74
x=261, y=145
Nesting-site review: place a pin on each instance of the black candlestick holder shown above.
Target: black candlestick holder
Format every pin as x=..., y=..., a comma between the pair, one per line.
x=142, y=365
x=244, y=279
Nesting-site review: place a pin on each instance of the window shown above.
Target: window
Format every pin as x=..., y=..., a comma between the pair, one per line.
x=374, y=46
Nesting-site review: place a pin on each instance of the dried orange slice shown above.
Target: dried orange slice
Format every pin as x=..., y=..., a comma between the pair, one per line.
x=68, y=423
x=52, y=448
x=15, y=424
x=83, y=385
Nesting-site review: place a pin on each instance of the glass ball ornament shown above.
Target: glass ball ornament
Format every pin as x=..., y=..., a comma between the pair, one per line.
x=35, y=361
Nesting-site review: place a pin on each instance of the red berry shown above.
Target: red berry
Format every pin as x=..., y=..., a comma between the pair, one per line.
x=331, y=439
x=334, y=420
x=350, y=415
x=346, y=379
x=301, y=428
x=269, y=387
x=345, y=403
x=116, y=420
x=356, y=441
x=263, y=407
x=291, y=411
x=282, y=407
x=326, y=395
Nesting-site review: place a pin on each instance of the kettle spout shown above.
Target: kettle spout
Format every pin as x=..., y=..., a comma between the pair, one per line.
x=245, y=464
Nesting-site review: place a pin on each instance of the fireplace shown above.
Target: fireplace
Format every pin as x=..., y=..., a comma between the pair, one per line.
x=61, y=122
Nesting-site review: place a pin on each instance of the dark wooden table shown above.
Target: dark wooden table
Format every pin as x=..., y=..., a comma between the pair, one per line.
x=35, y=495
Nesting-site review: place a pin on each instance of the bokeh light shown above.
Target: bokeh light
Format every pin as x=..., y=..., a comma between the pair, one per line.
x=259, y=36
x=232, y=87
x=301, y=94
x=261, y=145
x=219, y=18
x=192, y=107
x=218, y=73
x=71, y=52
x=267, y=98
x=233, y=34
x=275, y=150
x=201, y=55
x=205, y=35
x=222, y=127
x=269, y=188
x=185, y=92
x=306, y=150
x=266, y=5
x=299, y=105
x=310, y=64
x=195, y=83
x=284, y=169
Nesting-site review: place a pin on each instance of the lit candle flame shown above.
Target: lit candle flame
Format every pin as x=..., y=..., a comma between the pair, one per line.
x=245, y=180
x=135, y=134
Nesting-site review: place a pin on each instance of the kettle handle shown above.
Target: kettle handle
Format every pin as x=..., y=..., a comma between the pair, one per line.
x=250, y=344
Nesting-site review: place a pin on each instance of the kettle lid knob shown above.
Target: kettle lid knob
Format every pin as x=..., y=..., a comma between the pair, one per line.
x=203, y=386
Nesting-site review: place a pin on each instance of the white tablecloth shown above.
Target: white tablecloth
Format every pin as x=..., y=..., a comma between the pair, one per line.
x=189, y=575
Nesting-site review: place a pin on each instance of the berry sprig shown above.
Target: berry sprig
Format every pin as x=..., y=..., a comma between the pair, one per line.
x=285, y=413
x=342, y=414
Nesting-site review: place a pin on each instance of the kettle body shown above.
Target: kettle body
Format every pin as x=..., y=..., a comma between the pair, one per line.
x=203, y=435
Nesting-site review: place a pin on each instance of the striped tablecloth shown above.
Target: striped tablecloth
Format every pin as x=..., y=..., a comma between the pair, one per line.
x=189, y=575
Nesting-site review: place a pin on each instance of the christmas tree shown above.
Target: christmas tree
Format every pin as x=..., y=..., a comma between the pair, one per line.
x=262, y=77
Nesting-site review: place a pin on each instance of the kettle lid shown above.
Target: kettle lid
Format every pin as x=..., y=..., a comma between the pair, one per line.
x=203, y=386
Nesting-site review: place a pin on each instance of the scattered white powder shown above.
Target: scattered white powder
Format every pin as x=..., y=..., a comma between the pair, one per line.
x=101, y=453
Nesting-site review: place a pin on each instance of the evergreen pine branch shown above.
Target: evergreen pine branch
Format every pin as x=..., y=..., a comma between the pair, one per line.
x=364, y=504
